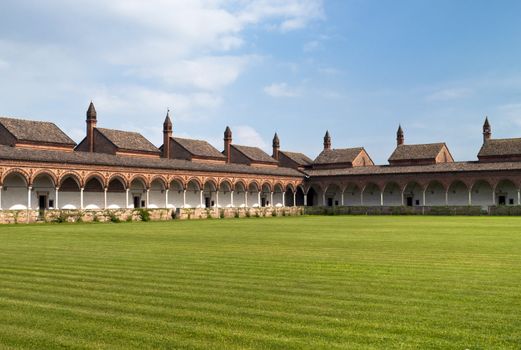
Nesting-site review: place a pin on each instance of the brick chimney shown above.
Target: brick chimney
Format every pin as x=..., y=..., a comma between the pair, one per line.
x=167, y=135
x=227, y=144
x=91, y=125
x=276, y=146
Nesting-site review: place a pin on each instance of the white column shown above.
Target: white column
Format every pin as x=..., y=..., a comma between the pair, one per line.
x=246, y=199
x=324, y=198
x=294, y=198
x=148, y=198
x=126, y=198
x=81, y=198
x=217, y=199
x=305, y=200
x=1, y=188
x=447, y=197
x=184, y=198
x=424, y=202
x=258, y=198
x=342, y=198
x=271, y=199
x=105, y=198
x=362, y=197
x=56, y=203
x=403, y=202
x=470, y=197
x=201, y=193
x=518, y=197
x=382, y=198
x=283, y=199
x=494, y=197
x=29, y=189
x=231, y=199
x=166, y=198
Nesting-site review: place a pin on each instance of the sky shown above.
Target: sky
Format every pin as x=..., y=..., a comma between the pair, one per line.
x=357, y=68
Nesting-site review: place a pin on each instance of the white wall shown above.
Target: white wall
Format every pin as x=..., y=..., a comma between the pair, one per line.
x=435, y=195
x=352, y=196
x=458, y=194
x=372, y=196
x=392, y=195
x=482, y=194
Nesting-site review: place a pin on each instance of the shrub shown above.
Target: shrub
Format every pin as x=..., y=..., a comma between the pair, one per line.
x=113, y=217
x=144, y=214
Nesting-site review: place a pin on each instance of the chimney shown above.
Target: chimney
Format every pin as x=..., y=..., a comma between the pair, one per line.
x=487, y=131
x=227, y=144
x=327, y=141
x=167, y=135
x=276, y=146
x=399, y=136
x=91, y=125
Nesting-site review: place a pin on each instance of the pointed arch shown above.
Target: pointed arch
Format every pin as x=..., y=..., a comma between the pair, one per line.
x=161, y=179
x=141, y=178
x=119, y=176
x=40, y=172
x=196, y=181
x=20, y=172
x=99, y=176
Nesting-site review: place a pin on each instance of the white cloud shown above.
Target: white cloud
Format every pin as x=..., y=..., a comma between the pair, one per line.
x=311, y=46
x=281, y=90
x=246, y=135
x=450, y=94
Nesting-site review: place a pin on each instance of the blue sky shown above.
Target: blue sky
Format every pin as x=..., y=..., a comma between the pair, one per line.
x=297, y=67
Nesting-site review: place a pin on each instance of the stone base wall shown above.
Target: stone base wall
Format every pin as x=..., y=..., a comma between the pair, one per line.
x=401, y=210
x=119, y=215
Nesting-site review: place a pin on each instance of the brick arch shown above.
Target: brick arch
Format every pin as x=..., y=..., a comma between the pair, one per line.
x=375, y=183
x=18, y=171
x=278, y=183
x=492, y=184
x=101, y=178
x=270, y=186
x=49, y=173
x=141, y=177
x=244, y=185
x=73, y=174
x=506, y=178
x=213, y=181
x=228, y=181
x=289, y=186
x=196, y=180
x=119, y=176
x=161, y=179
x=440, y=182
x=177, y=179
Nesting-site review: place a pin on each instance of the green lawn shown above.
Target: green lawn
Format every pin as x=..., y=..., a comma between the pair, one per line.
x=309, y=282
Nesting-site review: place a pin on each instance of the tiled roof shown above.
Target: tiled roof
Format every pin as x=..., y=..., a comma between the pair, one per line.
x=87, y=158
x=199, y=148
x=500, y=147
x=299, y=158
x=255, y=154
x=414, y=152
x=127, y=140
x=343, y=155
x=36, y=131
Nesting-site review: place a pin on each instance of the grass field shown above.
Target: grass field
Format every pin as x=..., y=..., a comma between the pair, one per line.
x=277, y=283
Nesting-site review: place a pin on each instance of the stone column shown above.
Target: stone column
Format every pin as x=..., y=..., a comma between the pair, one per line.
x=246, y=199
x=105, y=198
x=271, y=199
x=362, y=197
x=29, y=190
x=201, y=194
x=283, y=199
x=81, y=198
x=305, y=200
x=258, y=198
x=381, y=198
x=166, y=198
x=231, y=199
x=494, y=197
x=184, y=198
x=518, y=197
x=294, y=198
x=56, y=203
x=217, y=199
x=470, y=196
x=403, y=201
x=126, y=198
x=424, y=202
x=324, y=198
x=148, y=198
x=1, y=188
x=342, y=198
x=447, y=197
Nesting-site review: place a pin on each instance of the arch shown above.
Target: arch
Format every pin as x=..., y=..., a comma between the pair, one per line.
x=392, y=194
x=435, y=193
x=15, y=187
x=20, y=172
x=332, y=195
x=45, y=172
x=194, y=181
x=140, y=178
x=161, y=179
x=253, y=186
x=458, y=193
x=289, y=187
x=94, y=184
x=266, y=187
x=119, y=176
x=239, y=186
x=72, y=175
x=116, y=184
x=69, y=181
x=225, y=185
x=352, y=194
x=506, y=192
x=371, y=194
x=116, y=193
x=97, y=176
x=413, y=194
x=210, y=184
x=176, y=184
x=482, y=193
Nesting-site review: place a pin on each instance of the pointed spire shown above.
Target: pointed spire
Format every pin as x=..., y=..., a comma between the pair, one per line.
x=487, y=130
x=167, y=124
x=276, y=146
x=327, y=140
x=91, y=112
x=228, y=133
x=228, y=144
x=276, y=141
x=400, y=139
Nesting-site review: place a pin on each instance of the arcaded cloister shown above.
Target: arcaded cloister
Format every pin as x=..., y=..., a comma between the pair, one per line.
x=42, y=168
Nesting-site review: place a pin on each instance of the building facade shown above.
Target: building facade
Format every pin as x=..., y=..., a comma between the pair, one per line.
x=43, y=168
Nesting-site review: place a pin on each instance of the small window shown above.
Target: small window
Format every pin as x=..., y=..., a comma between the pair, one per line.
x=417, y=202
x=511, y=201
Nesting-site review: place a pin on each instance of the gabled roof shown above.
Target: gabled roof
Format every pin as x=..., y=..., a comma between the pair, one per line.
x=36, y=131
x=299, y=158
x=342, y=155
x=500, y=147
x=128, y=140
x=255, y=154
x=417, y=152
x=199, y=148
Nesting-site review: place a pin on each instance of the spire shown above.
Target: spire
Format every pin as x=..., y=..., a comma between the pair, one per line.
x=487, y=130
x=400, y=139
x=167, y=125
x=91, y=112
x=327, y=140
x=227, y=144
x=276, y=146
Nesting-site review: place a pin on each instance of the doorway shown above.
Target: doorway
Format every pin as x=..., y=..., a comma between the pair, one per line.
x=502, y=200
x=42, y=202
x=137, y=201
x=409, y=201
